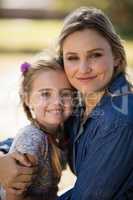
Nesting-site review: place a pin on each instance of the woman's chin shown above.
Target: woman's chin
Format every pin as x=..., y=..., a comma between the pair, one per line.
x=91, y=90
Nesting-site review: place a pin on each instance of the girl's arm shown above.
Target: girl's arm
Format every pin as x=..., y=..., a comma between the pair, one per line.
x=29, y=141
x=15, y=172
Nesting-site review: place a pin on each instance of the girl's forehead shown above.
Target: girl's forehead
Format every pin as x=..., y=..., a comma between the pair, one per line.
x=55, y=79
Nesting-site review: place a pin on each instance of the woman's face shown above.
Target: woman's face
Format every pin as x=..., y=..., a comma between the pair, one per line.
x=51, y=98
x=88, y=60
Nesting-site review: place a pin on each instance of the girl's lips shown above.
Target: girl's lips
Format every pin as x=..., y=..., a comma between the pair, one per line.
x=55, y=111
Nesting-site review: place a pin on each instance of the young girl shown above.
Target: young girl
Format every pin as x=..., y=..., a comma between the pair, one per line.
x=46, y=96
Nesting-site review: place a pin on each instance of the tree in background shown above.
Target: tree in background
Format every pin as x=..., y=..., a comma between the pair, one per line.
x=72, y=4
x=120, y=11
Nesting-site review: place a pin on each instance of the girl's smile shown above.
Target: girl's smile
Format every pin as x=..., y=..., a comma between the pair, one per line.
x=51, y=98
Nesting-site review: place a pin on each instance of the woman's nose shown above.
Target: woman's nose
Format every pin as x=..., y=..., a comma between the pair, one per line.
x=84, y=66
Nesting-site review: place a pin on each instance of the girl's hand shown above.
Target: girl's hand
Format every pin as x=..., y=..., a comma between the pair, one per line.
x=16, y=172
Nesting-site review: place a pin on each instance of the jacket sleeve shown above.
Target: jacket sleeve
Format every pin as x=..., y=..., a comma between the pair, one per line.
x=5, y=145
x=106, y=166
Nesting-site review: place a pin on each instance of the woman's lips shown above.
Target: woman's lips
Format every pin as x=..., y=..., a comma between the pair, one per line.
x=86, y=78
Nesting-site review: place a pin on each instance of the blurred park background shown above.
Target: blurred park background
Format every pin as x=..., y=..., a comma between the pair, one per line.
x=29, y=26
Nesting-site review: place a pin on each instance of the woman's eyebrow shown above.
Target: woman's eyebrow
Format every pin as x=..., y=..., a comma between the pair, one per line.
x=70, y=53
x=96, y=49
x=88, y=51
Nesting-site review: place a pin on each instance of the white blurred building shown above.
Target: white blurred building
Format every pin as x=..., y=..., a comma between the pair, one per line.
x=26, y=4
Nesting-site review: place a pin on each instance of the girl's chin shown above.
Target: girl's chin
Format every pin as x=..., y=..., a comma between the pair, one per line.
x=50, y=126
x=53, y=123
x=50, y=123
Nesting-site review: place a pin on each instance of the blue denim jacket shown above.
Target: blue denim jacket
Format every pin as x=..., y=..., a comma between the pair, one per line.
x=102, y=148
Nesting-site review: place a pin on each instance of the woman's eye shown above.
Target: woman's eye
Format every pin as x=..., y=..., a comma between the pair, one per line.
x=95, y=55
x=72, y=58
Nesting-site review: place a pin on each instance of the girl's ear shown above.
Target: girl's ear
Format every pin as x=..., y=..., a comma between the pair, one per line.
x=26, y=100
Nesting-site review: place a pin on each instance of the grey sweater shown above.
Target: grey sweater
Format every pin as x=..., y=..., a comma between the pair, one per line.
x=34, y=141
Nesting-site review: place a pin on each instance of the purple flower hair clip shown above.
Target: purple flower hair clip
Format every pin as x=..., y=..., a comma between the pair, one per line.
x=25, y=67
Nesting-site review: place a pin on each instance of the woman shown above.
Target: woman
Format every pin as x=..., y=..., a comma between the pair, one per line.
x=94, y=61
x=102, y=132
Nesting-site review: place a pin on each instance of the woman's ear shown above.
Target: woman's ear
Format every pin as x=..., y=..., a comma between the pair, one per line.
x=116, y=62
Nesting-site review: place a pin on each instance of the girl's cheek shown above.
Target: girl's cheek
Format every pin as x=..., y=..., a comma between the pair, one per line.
x=68, y=109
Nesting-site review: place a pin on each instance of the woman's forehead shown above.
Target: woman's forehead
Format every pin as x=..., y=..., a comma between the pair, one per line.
x=85, y=40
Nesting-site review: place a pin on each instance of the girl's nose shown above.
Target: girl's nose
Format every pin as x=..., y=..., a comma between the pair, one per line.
x=57, y=100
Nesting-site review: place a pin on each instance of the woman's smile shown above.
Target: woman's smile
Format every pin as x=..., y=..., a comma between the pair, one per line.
x=88, y=61
x=88, y=78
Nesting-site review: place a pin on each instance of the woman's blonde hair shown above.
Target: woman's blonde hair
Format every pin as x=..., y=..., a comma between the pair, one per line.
x=93, y=18
x=47, y=63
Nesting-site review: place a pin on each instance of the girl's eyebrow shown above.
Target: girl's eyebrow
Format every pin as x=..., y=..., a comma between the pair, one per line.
x=44, y=89
x=66, y=89
x=50, y=89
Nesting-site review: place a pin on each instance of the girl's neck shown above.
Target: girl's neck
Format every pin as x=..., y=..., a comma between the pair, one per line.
x=48, y=128
x=92, y=100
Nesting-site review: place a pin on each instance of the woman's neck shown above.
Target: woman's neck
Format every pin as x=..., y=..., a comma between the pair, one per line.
x=92, y=100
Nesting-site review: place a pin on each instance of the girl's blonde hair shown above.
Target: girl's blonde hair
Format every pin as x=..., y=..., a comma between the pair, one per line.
x=47, y=63
x=93, y=18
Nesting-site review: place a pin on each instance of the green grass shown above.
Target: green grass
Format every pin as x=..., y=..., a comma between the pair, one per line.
x=28, y=34
x=35, y=35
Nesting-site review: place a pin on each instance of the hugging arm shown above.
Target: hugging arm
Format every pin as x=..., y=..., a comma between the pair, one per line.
x=13, y=176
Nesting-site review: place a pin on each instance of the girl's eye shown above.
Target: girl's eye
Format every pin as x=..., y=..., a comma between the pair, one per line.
x=66, y=95
x=46, y=94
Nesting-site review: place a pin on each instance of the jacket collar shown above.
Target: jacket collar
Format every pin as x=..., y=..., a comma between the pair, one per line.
x=115, y=87
x=117, y=83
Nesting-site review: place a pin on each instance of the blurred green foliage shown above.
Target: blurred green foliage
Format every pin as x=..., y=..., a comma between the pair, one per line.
x=30, y=36
x=70, y=5
x=120, y=11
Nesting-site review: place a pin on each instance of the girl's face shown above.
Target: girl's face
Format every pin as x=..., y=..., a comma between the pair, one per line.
x=88, y=60
x=50, y=99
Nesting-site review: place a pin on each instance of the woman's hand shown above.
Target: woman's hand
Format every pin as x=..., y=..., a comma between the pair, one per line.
x=16, y=172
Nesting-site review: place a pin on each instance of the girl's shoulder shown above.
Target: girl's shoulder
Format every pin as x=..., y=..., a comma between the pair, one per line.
x=30, y=139
x=32, y=132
